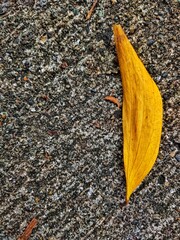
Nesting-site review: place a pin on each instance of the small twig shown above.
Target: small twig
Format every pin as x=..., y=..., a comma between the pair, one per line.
x=113, y=100
x=27, y=232
x=91, y=10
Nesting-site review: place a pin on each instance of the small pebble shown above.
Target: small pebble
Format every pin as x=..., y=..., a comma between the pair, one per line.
x=1, y=11
x=150, y=42
x=117, y=114
x=132, y=29
x=43, y=2
x=161, y=179
x=177, y=157
x=164, y=74
x=93, y=91
x=30, y=101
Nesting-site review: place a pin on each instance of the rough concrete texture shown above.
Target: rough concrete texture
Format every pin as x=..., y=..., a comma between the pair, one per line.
x=60, y=142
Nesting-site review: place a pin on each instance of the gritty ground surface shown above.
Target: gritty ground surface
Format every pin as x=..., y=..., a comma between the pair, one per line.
x=60, y=142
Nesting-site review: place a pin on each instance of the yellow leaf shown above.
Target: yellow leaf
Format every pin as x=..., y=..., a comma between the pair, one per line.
x=142, y=114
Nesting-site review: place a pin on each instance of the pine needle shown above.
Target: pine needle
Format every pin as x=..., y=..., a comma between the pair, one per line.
x=91, y=10
x=27, y=232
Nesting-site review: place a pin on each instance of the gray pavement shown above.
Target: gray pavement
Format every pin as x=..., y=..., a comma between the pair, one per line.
x=60, y=142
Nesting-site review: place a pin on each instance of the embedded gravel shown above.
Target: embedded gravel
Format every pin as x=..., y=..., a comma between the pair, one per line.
x=60, y=142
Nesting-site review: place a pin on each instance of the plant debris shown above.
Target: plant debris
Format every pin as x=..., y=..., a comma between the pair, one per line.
x=43, y=39
x=26, y=234
x=142, y=114
x=91, y=10
x=113, y=100
x=25, y=78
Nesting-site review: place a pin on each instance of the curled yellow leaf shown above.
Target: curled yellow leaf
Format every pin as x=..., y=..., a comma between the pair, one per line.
x=142, y=114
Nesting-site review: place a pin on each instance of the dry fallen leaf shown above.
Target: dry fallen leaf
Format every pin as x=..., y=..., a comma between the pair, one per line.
x=142, y=114
x=25, y=78
x=26, y=234
x=113, y=100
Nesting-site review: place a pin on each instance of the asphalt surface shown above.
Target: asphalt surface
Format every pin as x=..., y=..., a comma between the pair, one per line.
x=60, y=142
